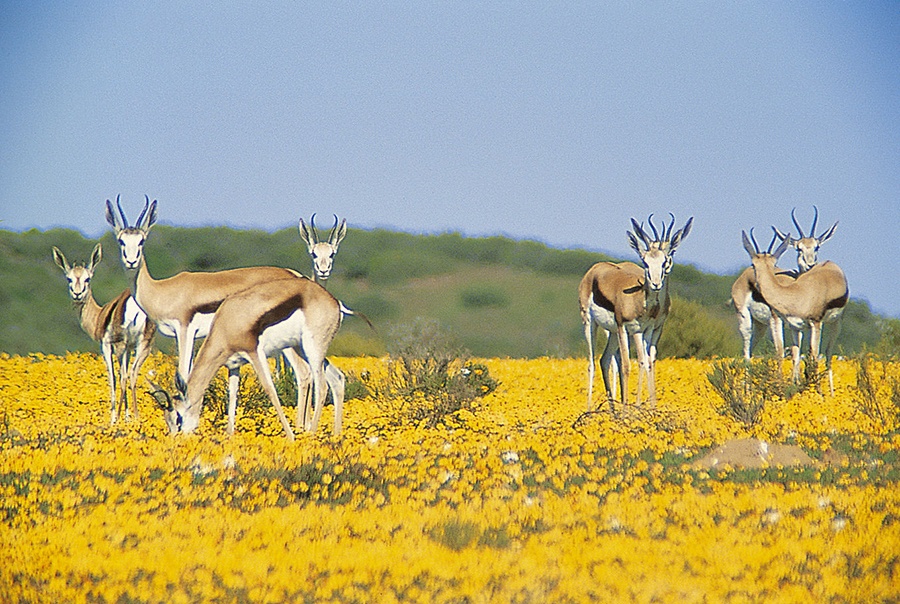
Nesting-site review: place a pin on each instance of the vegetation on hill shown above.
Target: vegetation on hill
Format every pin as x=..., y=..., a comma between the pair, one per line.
x=495, y=296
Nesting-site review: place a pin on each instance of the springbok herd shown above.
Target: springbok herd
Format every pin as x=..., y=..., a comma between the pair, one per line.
x=249, y=314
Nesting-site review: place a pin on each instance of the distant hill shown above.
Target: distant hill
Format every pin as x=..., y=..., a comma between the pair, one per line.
x=495, y=296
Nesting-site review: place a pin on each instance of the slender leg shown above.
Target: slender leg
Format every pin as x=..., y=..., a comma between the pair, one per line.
x=833, y=332
x=336, y=381
x=261, y=366
x=624, y=364
x=301, y=379
x=106, y=349
x=234, y=385
x=776, y=328
x=140, y=355
x=589, y=336
x=607, y=366
x=747, y=327
x=643, y=367
x=795, y=355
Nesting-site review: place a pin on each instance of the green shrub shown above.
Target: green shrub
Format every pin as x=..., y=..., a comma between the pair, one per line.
x=879, y=393
x=428, y=377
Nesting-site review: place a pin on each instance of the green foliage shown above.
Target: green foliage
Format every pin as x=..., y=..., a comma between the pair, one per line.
x=879, y=393
x=483, y=296
x=693, y=331
x=501, y=297
x=429, y=378
x=746, y=386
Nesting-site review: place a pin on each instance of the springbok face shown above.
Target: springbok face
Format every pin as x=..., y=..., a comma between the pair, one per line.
x=131, y=238
x=657, y=253
x=322, y=252
x=79, y=277
x=807, y=246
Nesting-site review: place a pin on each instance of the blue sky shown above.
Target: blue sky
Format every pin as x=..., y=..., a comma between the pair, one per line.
x=549, y=121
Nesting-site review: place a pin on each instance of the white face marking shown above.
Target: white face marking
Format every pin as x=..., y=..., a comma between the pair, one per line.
x=131, y=246
x=79, y=279
x=657, y=264
x=807, y=252
x=322, y=255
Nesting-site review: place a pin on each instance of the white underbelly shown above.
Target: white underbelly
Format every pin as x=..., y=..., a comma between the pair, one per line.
x=285, y=334
x=760, y=312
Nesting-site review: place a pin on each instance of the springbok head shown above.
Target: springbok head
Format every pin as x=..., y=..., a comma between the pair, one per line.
x=131, y=238
x=163, y=399
x=807, y=246
x=769, y=257
x=79, y=277
x=657, y=252
x=322, y=252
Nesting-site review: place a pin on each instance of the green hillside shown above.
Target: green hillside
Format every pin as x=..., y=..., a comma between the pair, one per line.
x=495, y=296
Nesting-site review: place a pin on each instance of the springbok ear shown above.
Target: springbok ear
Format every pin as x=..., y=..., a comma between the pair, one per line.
x=639, y=232
x=96, y=257
x=679, y=235
x=781, y=235
x=633, y=242
x=339, y=234
x=751, y=249
x=306, y=235
x=148, y=217
x=781, y=248
x=116, y=221
x=828, y=234
x=60, y=259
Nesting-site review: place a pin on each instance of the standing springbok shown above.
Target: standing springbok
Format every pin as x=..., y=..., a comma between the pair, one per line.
x=322, y=252
x=626, y=299
x=252, y=325
x=120, y=326
x=182, y=306
x=807, y=246
x=815, y=298
x=753, y=312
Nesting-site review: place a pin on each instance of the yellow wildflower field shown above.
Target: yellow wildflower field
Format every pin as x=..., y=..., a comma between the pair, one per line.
x=522, y=498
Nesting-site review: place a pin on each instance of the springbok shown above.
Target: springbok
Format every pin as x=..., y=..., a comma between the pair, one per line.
x=322, y=252
x=626, y=299
x=252, y=325
x=183, y=305
x=120, y=326
x=815, y=298
x=753, y=312
x=807, y=246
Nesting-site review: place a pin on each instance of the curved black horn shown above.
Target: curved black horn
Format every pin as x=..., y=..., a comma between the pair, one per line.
x=639, y=231
x=794, y=219
x=753, y=239
x=812, y=230
x=333, y=229
x=140, y=219
x=772, y=243
x=121, y=211
x=312, y=228
x=668, y=235
x=653, y=228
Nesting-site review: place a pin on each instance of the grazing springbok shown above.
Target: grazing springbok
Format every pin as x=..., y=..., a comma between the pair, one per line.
x=120, y=326
x=815, y=298
x=322, y=252
x=182, y=306
x=252, y=325
x=754, y=315
x=626, y=299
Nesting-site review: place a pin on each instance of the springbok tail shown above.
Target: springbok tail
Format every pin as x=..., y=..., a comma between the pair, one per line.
x=348, y=312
